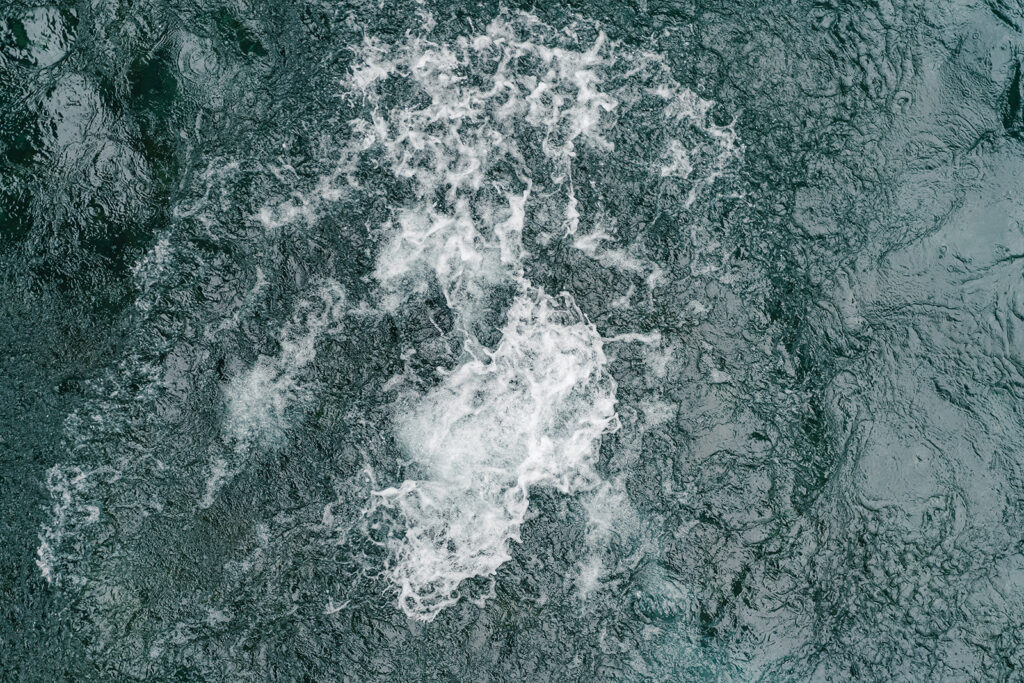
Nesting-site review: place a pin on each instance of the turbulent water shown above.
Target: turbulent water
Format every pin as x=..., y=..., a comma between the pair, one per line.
x=668, y=341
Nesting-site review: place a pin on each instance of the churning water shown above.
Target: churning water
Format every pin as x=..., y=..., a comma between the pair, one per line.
x=401, y=342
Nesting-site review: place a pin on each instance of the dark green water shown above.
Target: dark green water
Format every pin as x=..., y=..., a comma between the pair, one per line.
x=640, y=341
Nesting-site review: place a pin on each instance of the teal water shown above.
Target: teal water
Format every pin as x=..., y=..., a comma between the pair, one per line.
x=669, y=341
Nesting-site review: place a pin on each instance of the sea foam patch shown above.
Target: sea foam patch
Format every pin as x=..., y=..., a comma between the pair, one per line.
x=528, y=414
x=532, y=411
x=485, y=131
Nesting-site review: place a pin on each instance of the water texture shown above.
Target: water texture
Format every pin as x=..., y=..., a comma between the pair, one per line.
x=634, y=341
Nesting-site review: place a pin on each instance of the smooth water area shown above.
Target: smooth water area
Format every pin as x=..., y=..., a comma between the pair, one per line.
x=640, y=341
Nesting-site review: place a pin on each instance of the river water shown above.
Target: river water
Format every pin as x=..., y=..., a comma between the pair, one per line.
x=671, y=341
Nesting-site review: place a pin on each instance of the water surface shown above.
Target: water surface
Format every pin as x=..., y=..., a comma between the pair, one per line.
x=417, y=341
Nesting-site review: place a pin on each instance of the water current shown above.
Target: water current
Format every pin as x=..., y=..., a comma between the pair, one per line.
x=400, y=341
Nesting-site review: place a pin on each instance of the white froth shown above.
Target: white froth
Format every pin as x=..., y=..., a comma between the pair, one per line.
x=610, y=517
x=532, y=411
x=68, y=488
x=302, y=208
x=490, y=123
x=259, y=400
x=531, y=414
x=465, y=145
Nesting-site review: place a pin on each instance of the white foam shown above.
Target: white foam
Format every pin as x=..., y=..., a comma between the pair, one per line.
x=530, y=414
x=69, y=488
x=720, y=143
x=465, y=144
x=492, y=123
x=259, y=400
x=610, y=518
x=303, y=208
x=532, y=411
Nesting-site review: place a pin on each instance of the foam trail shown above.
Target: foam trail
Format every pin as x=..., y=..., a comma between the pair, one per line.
x=71, y=488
